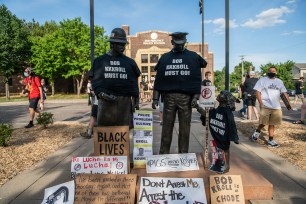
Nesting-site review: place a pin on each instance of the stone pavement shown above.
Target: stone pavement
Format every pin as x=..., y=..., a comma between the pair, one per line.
x=289, y=183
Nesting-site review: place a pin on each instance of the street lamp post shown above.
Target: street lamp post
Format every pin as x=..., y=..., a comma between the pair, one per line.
x=92, y=32
x=242, y=66
x=227, y=45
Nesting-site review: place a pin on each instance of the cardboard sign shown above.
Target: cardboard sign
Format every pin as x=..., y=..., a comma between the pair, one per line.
x=226, y=189
x=105, y=188
x=62, y=193
x=207, y=97
x=172, y=190
x=143, y=120
x=99, y=165
x=172, y=162
x=143, y=137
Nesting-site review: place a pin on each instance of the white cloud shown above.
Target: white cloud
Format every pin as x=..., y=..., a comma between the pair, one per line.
x=268, y=18
x=290, y=2
x=219, y=24
x=295, y=32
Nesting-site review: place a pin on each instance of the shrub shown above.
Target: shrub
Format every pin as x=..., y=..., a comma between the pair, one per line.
x=44, y=119
x=6, y=131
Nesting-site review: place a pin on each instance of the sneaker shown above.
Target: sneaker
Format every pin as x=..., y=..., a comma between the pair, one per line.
x=272, y=143
x=255, y=136
x=29, y=125
x=240, y=114
x=85, y=135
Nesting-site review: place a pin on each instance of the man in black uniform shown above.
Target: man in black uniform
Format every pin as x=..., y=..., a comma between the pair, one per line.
x=114, y=79
x=178, y=80
x=250, y=95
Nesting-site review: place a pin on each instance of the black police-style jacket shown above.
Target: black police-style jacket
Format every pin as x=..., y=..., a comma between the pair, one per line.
x=115, y=75
x=179, y=72
x=223, y=127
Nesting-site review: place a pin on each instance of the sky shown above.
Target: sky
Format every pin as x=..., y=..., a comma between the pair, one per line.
x=262, y=31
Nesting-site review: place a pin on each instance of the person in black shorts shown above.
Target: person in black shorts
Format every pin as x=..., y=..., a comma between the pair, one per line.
x=250, y=95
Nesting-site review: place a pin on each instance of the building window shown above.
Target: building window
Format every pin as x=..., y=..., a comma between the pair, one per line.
x=152, y=68
x=153, y=58
x=144, y=70
x=144, y=58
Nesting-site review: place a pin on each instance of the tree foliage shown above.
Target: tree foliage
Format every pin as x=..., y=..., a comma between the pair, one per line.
x=14, y=43
x=236, y=75
x=219, y=79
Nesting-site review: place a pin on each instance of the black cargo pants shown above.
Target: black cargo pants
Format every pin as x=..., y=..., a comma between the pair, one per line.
x=114, y=113
x=173, y=103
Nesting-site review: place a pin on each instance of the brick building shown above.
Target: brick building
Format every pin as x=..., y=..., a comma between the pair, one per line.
x=147, y=47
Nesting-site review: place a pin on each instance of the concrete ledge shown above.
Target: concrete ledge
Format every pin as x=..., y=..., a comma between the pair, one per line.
x=255, y=186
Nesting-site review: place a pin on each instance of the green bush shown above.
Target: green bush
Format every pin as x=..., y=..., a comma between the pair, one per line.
x=44, y=119
x=6, y=131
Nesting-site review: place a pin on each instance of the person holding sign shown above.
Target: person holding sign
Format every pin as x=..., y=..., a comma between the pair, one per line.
x=114, y=78
x=222, y=128
x=178, y=81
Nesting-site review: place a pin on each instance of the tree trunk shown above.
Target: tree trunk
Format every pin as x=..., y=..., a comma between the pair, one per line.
x=7, y=91
x=77, y=85
x=52, y=88
x=74, y=85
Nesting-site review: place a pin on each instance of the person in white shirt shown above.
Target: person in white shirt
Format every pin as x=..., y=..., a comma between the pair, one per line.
x=268, y=91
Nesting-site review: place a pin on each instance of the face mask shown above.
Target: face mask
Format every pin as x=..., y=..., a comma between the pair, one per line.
x=271, y=75
x=210, y=78
x=25, y=74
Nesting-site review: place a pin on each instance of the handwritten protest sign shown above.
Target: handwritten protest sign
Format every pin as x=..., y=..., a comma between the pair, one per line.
x=143, y=137
x=172, y=190
x=207, y=97
x=105, y=188
x=226, y=189
x=99, y=165
x=62, y=193
x=143, y=120
x=171, y=162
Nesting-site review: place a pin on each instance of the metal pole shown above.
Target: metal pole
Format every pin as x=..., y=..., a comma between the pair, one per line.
x=92, y=33
x=242, y=66
x=203, y=47
x=226, y=44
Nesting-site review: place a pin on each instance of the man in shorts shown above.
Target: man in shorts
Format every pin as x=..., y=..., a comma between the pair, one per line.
x=34, y=90
x=250, y=93
x=268, y=91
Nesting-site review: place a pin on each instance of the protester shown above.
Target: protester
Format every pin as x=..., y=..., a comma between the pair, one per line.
x=299, y=90
x=93, y=117
x=89, y=92
x=34, y=90
x=178, y=80
x=303, y=112
x=114, y=79
x=44, y=91
x=241, y=94
x=207, y=79
x=268, y=90
x=251, y=95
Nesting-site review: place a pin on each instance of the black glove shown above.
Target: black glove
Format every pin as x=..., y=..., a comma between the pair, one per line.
x=135, y=103
x=154, y=104
x=107, y=97
x=194, y=101
x=155, y=99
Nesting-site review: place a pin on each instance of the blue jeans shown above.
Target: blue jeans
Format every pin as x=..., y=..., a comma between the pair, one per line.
x=244, y=107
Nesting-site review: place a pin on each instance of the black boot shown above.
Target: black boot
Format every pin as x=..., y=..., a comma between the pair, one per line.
x=29, y=125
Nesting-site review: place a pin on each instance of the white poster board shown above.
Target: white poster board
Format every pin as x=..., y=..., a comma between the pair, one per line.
x=62, y=193
x=142, y=137
x=172, y=190
x=99, y=165
x=171, y=162
x=207, y=97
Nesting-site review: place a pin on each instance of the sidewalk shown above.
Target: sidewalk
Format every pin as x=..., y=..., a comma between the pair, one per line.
x=289, y=183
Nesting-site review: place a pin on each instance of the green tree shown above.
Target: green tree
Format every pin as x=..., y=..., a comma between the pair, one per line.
x=284, y=72
x=14, y=45
x=236, y=75
x=76, y=37
x=219, y=79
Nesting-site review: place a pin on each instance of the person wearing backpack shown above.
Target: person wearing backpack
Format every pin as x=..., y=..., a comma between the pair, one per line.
x=34, y=90
x=250, y=95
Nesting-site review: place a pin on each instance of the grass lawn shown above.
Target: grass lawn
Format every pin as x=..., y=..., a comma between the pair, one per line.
x=16, y=98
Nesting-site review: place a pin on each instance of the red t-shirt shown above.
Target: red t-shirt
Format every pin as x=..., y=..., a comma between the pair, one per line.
x=33, y=84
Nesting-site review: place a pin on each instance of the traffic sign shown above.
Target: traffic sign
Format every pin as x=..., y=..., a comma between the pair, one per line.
x=207, y=97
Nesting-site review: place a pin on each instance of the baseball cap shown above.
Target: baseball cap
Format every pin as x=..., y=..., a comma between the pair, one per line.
x=252, y=73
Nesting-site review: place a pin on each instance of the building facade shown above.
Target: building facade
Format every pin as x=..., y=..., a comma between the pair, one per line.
x=147, y=47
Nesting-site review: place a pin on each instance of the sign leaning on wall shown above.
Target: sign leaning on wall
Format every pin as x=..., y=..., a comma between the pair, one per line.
x=143, y=137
